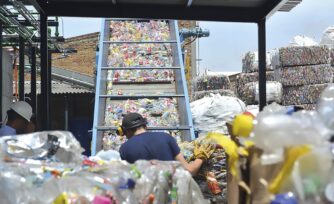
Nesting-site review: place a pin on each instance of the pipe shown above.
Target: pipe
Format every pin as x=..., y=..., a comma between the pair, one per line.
x=33, y=80
x=49, y=85
x=1, y=72
x=66, y=113
x=262, y=63
x=45, y=98
x=21, y=69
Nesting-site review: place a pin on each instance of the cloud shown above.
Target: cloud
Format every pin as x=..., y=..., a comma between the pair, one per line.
x=229, y=41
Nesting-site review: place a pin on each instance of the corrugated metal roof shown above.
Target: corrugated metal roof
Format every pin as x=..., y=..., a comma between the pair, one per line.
x=57, y=88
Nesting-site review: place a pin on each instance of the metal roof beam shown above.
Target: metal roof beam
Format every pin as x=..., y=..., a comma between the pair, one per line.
x=270, y=8
x=9, y=2
x=209, y=13
x=39, y=5
x=13, y=38
x=51, y=23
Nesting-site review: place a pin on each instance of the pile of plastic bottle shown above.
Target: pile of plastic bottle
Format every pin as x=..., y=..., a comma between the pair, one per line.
x=300, y=144
x=48, y=167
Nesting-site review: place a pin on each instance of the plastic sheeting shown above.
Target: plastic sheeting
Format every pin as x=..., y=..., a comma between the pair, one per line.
x=302, y=40
x=250, y=62
x=32, y=182
x=304, y=75
x=300, y=56
x=250, y=93
x=298, y=95
x=201, y=94
x=214, y=82
x=152, y=30
x=158, y=112
x=328, y=37
x=244, y=78
x=52, y=145
x=211, y=113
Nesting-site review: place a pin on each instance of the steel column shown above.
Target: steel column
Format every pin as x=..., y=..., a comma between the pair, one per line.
x=33, y=79
x=45, y=98
x=49, y=85
x=262, y=63
x=21, y=69
x=1, y=72
x=66, y=113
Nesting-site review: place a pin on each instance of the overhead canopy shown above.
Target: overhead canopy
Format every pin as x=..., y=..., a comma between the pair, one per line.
x=211, y=10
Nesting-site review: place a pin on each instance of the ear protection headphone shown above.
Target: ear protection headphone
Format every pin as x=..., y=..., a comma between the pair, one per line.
x=133, y=124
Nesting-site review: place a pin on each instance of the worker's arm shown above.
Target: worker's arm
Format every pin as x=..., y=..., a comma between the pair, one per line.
x=192, y=167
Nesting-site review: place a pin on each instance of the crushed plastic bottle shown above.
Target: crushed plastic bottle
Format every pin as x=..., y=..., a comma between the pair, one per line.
x=325, y=107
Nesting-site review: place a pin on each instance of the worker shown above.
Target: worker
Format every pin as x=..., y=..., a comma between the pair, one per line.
x=18, y=119
x=32, y=125
x=157, y=145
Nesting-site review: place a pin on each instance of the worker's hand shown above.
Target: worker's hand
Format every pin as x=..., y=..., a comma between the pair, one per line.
x=204, y=151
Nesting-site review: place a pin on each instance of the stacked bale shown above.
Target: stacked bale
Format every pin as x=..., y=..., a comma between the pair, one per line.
x=206, y=85
x=247, y=81
x=304, y=73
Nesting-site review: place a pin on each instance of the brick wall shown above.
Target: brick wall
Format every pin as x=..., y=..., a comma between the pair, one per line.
x=187, y=48
x=84, y=60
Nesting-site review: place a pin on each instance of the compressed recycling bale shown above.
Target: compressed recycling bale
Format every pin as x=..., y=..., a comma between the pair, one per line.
x=309, y=106
x=201, y=94
x=244, y=78
x=250, y=62
x=298, y=95
x=250, y=94
x=213, y=82
x=304, y=75
x=299, y=56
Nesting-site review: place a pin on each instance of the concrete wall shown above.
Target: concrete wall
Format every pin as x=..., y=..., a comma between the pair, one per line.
x=7, y=83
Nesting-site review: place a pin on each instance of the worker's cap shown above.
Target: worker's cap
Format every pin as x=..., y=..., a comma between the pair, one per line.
x=133, y=120
x=23, y=109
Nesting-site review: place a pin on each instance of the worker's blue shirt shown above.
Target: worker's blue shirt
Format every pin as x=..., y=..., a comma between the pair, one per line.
x=149, y=146
x=7, y=131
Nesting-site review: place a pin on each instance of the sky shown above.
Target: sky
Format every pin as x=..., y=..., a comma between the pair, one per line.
x=228, y=42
